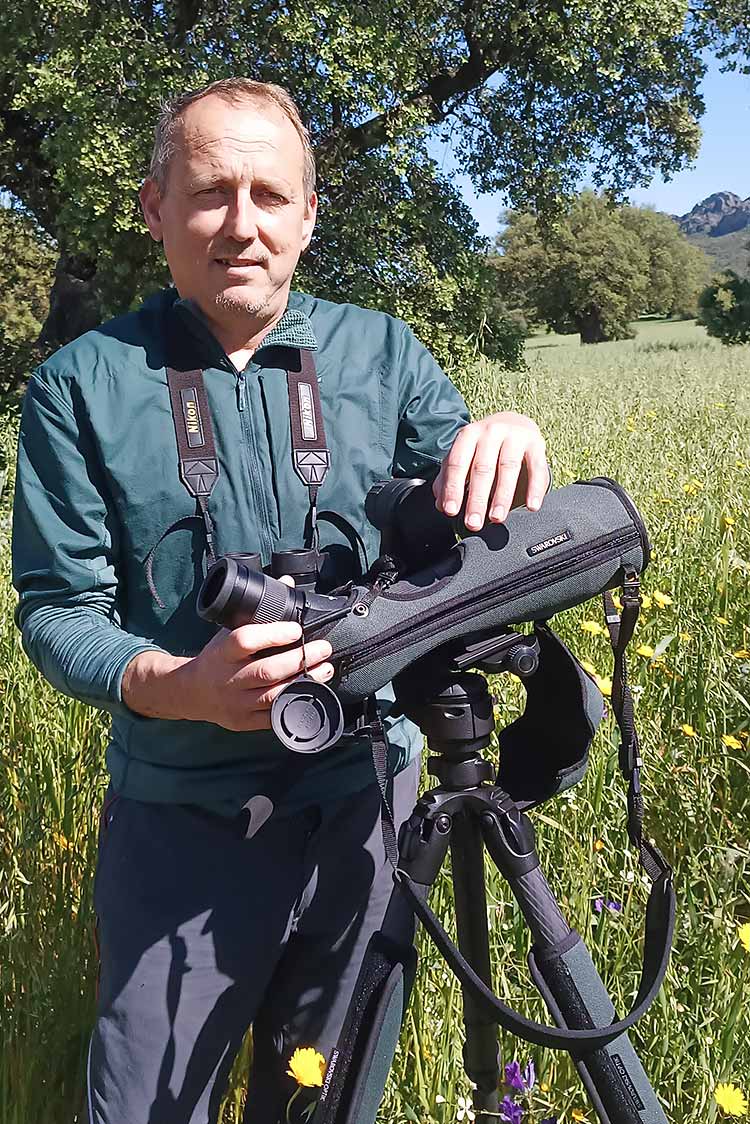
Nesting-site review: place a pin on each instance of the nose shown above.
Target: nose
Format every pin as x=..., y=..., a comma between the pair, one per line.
x=241, y=222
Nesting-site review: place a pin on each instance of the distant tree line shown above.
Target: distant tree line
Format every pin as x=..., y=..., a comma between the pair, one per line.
x=597, y=267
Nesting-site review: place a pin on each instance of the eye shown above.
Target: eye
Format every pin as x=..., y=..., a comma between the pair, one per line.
x=267, y=195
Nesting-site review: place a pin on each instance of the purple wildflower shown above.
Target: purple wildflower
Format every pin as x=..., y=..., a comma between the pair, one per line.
x=513, y=1076
x=510, y=1111
x=549, y=1120
x=529, y=1074
x=613, y=907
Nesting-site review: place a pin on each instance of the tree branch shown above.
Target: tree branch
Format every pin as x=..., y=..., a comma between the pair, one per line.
x=439, y=90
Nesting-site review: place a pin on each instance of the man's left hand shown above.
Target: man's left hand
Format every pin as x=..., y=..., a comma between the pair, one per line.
x=502, y=458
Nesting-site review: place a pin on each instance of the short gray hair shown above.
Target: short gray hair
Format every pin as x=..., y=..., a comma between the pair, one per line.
x=235, y=91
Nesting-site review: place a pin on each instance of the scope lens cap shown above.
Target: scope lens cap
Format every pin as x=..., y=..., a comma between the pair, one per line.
x=307, y=716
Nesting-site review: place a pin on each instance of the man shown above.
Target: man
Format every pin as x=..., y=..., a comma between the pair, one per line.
x=237, y=882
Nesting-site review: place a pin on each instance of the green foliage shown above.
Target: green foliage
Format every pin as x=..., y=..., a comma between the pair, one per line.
x=677, y=270
x=27, y=260
x=724, y=308
x=597, y=267
x=585, y=273
x=531, y=95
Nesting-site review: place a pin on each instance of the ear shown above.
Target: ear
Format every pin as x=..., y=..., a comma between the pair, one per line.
x=150, y=198
x=308, y=222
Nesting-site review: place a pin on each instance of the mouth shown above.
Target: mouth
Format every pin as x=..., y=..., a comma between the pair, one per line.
x=238, y=263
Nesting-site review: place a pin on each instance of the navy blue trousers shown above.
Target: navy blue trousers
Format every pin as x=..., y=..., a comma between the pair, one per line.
x=206, y=929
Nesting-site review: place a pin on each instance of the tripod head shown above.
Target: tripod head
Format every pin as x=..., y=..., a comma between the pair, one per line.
x=453, y=706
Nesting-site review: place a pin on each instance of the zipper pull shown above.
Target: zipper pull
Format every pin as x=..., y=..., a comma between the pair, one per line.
x=241, y=391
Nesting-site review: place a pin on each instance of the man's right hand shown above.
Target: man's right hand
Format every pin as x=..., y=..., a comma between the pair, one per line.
x=232, y=681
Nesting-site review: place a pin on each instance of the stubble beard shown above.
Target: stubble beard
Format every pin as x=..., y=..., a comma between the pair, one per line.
x=250, y=306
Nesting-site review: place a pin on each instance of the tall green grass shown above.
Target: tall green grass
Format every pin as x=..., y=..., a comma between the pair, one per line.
x=672, y=423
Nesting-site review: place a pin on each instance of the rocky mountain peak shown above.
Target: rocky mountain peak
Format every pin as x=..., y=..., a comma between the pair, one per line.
x=721, y=213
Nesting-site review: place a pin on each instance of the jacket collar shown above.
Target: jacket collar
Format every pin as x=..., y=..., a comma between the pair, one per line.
x=293, y=330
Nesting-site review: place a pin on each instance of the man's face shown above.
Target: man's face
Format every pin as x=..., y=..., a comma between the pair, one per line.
x=233, y=215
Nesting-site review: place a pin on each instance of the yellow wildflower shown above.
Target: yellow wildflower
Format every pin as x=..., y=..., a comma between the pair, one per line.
x=63, y=843
x=598, y=844
x=740, y=464
x=604, y=684
x=688, y=730
x=630, y=425
x=727, y=521
x=645, y=601
x=730, y=1100
x=742, y=654
x=617, y=602
x=592, y=627
x=721, y=620
x=744, y=934
x=686, y=637
x=731, y=742
x=662, y=599
x=544, y=1087
x=307, y=1067
x=692, y=486
x=577, y=1114
x=645, y=650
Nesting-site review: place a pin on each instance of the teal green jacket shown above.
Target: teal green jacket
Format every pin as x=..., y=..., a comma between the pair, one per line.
x=98, y=484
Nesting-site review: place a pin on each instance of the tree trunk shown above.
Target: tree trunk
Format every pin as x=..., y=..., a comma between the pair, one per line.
x=73, y=302
x=589, y=324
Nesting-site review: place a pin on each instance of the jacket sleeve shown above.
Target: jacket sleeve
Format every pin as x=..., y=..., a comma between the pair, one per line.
x=65, y=547
x=431, y=411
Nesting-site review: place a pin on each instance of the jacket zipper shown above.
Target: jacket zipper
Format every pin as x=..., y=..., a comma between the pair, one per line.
x=609, y=545
x=259, y=498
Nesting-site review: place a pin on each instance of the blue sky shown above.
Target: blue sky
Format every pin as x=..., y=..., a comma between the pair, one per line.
x=723, y=163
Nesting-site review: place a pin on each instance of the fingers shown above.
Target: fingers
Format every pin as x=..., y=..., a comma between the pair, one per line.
x=251, y=709
x=271, y=669
x=244, y=642
x=492, y=455
x=260, y=698
x=509, y=463
x=538, y=471
x=450, y=485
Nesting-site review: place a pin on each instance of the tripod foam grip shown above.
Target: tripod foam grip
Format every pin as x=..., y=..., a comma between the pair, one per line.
x=576, y=997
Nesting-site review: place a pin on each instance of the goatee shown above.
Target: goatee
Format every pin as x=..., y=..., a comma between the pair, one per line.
x=241, y=304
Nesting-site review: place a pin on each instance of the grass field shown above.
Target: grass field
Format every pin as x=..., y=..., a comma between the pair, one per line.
x=667, y=414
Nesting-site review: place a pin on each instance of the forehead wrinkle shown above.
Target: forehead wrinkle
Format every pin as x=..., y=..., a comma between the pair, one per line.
x=249, y=160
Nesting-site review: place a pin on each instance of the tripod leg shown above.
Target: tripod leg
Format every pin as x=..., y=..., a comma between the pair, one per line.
x=481, y=1057
x=565, y=975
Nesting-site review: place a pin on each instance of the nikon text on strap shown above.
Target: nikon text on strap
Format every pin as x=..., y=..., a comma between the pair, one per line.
x=310, y=455
x=199, y=467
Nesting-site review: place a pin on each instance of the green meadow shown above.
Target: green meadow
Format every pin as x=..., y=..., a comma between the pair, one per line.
x=668, y=415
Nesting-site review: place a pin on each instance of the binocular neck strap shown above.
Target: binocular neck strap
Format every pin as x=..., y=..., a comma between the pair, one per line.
x=199, y=466
x=310, y=456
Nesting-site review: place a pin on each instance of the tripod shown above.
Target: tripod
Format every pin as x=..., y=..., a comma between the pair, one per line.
x=469, y=814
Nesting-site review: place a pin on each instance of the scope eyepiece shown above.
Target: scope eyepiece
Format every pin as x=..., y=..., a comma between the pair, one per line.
x=234, y=594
